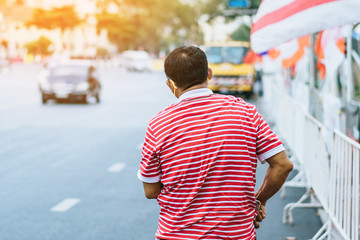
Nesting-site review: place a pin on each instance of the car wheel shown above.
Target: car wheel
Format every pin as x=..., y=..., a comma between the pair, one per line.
x=44, y=99
x=84, y=99
x=248, y=95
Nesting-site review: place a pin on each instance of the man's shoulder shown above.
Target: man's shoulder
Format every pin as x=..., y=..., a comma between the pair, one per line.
x=227, y=100
x=166, y=111
x=235, y=101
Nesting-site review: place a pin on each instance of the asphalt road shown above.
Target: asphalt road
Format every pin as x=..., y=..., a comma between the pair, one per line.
x=68, y=171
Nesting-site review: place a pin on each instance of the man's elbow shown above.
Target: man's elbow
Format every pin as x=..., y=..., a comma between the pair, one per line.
x=289, y=166
x=286, y=166
x=152, y=190
x=151, y=195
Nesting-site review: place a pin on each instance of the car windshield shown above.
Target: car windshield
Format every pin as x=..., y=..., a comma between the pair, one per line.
x=64, y=71
x=233, y=55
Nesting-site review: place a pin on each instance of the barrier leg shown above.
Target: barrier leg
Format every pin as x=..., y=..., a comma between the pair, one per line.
x=323, y=231
x=287, y=207
x=299, y=204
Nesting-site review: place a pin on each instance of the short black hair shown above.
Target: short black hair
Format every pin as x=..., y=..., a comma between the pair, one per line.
x=186, y=66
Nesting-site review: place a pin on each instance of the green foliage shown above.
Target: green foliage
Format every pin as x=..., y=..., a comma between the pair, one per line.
x=151, y=24
x=255, y=3
x=242, y=33
x=210, y=7
x=157, y=24
x=64, y=17
x=39, y=47
x=121, y=31
x=104, y=4
x=215, y=8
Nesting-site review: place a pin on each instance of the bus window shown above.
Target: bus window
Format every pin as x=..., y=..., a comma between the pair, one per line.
x=234, y=55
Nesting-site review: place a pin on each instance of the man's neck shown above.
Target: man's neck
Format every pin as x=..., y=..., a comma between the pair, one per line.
x=197, y=86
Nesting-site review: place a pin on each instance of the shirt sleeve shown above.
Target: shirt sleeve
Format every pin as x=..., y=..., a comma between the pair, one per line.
x=149, y=171
x=267, y=143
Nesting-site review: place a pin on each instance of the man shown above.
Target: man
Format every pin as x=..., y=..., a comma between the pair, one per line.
x=200, y=155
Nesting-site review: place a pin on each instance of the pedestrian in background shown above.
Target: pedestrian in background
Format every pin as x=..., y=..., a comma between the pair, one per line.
x=200, y=155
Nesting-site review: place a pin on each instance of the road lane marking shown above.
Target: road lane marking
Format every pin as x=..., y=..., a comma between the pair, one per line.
x=117, y=167
x=65, y=205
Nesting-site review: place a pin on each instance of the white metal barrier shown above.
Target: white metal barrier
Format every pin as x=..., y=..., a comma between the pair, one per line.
x=315, y=161
x=289, y=117
x=344, y=210
x=333, y=183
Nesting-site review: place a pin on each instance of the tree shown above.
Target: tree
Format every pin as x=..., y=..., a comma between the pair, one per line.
x=150, y=24
x=157, y=24
x=103, y=5
x=39, y=47
x=214, y=8
x=121, y=31
x=217, y=8
x=19, y=2
x=63, y=18
x=242, y=33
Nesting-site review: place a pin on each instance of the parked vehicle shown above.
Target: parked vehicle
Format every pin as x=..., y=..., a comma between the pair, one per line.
x=139, y=61
x=76, y=81
x=230, y=73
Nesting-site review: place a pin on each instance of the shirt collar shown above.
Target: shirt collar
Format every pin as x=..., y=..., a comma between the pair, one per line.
x=195, y=93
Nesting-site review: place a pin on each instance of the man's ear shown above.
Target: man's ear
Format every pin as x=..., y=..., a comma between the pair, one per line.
x=209, y=74
x=171, y=85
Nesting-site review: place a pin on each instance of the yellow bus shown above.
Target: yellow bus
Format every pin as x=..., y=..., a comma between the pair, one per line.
x=230, y=73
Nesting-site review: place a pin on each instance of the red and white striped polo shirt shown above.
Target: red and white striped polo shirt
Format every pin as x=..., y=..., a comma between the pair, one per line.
x=204, y=150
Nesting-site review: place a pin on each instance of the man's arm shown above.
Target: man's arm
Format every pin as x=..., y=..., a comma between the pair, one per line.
x=279, y=168
x=152, y=190
x=276, y=174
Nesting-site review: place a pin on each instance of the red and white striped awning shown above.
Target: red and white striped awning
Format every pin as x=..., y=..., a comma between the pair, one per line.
x=278, y=21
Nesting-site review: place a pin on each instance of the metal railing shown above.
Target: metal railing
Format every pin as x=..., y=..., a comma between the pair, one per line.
x=332, y=180
x=344, y=194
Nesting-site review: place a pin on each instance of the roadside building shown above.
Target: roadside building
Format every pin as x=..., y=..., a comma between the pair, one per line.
x=82, y=40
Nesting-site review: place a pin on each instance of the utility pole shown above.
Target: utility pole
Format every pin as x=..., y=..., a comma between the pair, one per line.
x=312, y=67
x=348, y=67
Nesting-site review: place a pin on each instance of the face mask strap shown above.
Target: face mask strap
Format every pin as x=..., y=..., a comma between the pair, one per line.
x=174, y=86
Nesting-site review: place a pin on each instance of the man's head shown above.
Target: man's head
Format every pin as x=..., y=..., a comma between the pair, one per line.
x=186, y=67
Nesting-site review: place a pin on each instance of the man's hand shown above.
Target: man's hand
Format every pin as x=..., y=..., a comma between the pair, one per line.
x=261, y=214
